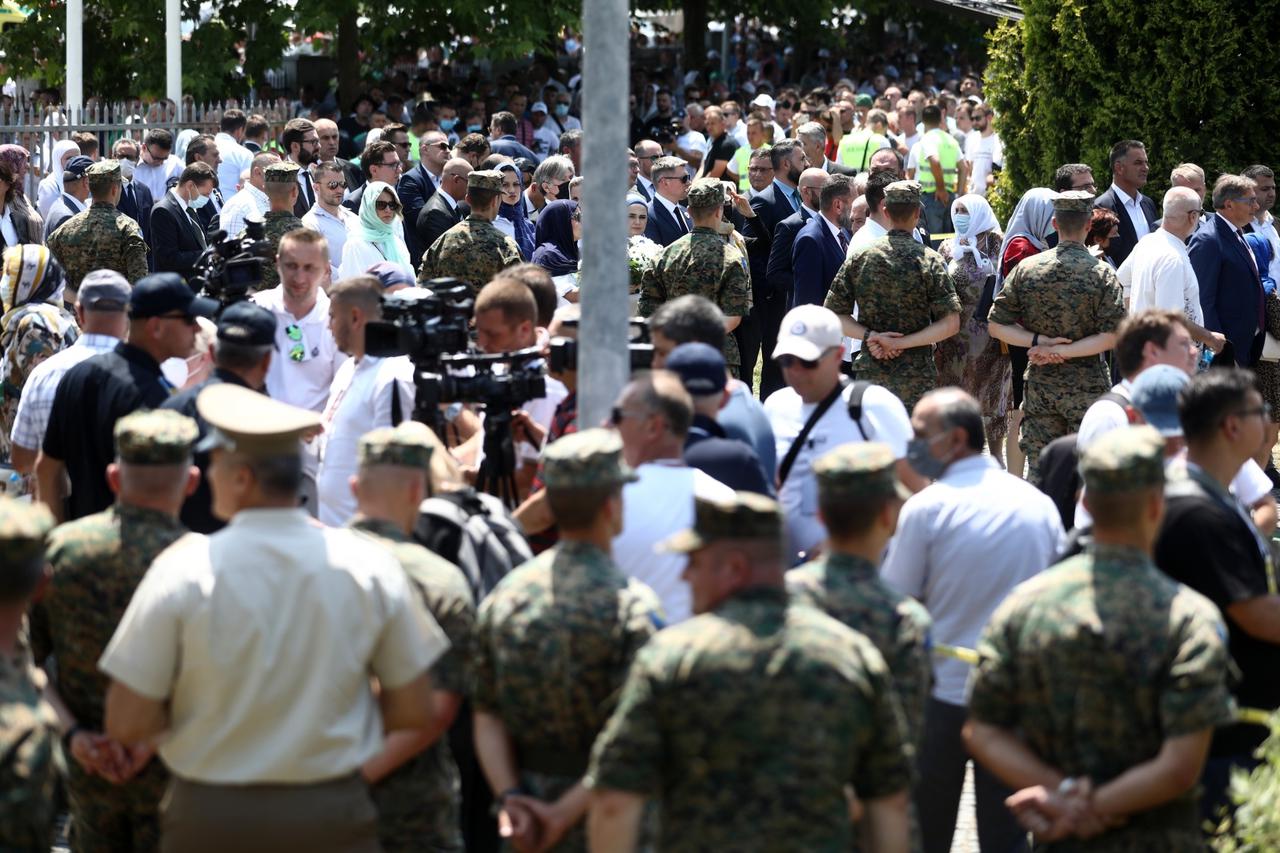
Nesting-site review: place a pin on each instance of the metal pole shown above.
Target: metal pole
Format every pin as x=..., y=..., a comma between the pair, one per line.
x=603, y=361
x=729, y=20
x=173, y=51
x=75, y=55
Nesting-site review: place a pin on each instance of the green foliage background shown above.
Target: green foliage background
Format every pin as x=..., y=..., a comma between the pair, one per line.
x=1196, y=80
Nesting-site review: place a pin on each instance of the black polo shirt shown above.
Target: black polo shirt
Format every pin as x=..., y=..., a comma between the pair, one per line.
x=91, y=397
x=197, y=510
x=730, y=460
x=723, y=148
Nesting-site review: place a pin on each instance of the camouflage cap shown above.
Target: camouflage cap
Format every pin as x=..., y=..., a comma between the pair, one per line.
x=485, y=179
x=902, y=192
x=282, y=172
x=706, y=193
x=864, y=469
x=1078, y=201
x=160, y=437
x=1124, y=460
x=23, y=528
x=408, y=445
x=586, y=459
x=747, y=516
x=247, y=422
x=103, y=174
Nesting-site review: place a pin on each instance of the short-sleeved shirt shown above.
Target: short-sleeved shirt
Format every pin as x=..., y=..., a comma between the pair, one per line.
x=721, y=148
x=32, y=420
x=91, y=397
x=1095, y=663
x=304, y=383
x=263, y=638
x=30, y=762
x=473, y=251
x=758, y=710
x=709, y=448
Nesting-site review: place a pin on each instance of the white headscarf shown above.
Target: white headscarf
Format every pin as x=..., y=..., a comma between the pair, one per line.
x=1033, y=220
x=981, y=220
x=60, y=149
x=182, y=140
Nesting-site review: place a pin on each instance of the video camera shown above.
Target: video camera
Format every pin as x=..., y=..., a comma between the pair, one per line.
x=423, y=327
x=564, y=351
x=231, y=267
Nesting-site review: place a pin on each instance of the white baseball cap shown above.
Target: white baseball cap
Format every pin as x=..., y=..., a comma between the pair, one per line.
x=763, y=100
x=807, y=332
x=538, y=107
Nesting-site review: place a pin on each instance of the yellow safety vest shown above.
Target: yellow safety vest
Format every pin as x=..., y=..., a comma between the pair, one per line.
x=856, y=148
x=741, y=161
x=948, y=158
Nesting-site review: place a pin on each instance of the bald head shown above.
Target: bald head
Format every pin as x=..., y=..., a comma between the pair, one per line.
x=811, y=183
x=954, y=411
x=453, y=177
x=327, y=133
x=647, y=152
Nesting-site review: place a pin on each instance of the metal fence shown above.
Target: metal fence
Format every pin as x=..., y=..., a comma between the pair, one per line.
x=38, y=127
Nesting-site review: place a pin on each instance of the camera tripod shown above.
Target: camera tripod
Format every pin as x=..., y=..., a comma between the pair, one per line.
x=497, y=474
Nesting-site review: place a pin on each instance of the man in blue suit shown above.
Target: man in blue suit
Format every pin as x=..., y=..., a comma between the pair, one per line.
x=667, y=220
x=822, y=243
x=779, y=274
x=502, y=137
x=1230, y=288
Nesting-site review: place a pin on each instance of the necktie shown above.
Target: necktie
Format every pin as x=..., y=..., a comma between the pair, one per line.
x=307, y=193
x=795, y=199
x=195, y=224
x=684, y=221
x=843, y=239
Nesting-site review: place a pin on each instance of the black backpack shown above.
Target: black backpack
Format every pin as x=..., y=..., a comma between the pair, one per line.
x=475, y=532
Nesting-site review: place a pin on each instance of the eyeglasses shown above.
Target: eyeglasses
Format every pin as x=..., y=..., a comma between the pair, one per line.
x=576, y=216
x=393, y=165
x=404, y=144
x=443, y=146
x=1264, y=410
x=333, y=185
x=786, y=105
x=387, y=205
x=684, y=179
x=298, y=351
x=786, y=362
x=760, y=170
x=648, y=157
x=618, y=414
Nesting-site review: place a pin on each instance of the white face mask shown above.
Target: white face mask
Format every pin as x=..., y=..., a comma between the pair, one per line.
x=126, y=169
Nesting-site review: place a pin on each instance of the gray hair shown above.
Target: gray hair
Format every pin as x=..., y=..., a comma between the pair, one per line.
x=553, y=170
x=813, y=132
x=1187, y=172
x=1229, y=188
x=665, y=166
x=956, y=408
x=1179, y=201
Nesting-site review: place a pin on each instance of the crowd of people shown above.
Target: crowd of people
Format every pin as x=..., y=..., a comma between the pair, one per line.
x=870, y=509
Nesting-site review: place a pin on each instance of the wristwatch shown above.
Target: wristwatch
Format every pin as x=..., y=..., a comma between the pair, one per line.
x=866, y=334
x=500, y=800
x=1035, y=339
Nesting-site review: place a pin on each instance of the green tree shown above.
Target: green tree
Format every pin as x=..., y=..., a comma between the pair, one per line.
x=1255, y=827
x=1192, y=79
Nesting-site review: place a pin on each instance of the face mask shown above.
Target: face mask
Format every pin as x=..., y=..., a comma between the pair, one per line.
x=126, y=169
x=199, y=201
x=564, y=191
x=961, y=222
x=473, y=128
x=1052, y=239
x=922, y=461
x=562, y=110
x=447, y=124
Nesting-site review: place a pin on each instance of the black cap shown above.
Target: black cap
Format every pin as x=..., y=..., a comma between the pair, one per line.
x=77, y=166
x=248, y=324
x=165, y=292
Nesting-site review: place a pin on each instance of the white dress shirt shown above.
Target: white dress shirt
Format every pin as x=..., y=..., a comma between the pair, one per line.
x=155, y=178
x=962, y=544
x=1158, y=274
x=236, y=159
x=239, y=206
x=1267, y=228
x=336, y=228
x=1133, y=207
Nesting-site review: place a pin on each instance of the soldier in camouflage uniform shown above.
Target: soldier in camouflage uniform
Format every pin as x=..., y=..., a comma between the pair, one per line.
x=416, y=793
x=1065, y=305
x=100, y=238
x=702, y=263
x=30, y=760
x=554, y=641
x=906, y=302
x=97, y=563
x=280, y=183
x=1101, y=678
x=749, y=721
x=474, y=250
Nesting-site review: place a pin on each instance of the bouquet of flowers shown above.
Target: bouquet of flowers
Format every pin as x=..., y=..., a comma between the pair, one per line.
x=642, y=254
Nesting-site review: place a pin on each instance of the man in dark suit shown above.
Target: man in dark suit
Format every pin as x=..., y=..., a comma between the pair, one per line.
x=179, y=237
x=380, y=163
x=329, y=135
x=647, y=153
x=301, y=144
x=667, y=220
x=75, y=194
x=1230, y=289
x=1136, y=212
x=813, y=138
x=420, y=183
x=446, y=208
x=822, y=243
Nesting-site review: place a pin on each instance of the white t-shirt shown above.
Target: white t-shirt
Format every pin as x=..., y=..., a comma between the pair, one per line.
x=884, y=419
x=304, y=383
x=656, y=506
x=1158, y=274
x=982, y=152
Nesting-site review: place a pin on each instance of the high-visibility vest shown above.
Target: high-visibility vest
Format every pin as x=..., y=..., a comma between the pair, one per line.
x=948, y=158
x=856, y=148
x=741, y=161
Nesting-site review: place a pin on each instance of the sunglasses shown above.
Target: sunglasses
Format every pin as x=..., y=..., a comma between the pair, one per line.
x=333, y=185
x=683, y=179
x=387, y=205
x=786, y=362
x=298, y=350
x=786, y=105
x=617, y=415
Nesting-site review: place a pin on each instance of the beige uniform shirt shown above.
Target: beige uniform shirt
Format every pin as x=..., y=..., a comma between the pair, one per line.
x=263, y=637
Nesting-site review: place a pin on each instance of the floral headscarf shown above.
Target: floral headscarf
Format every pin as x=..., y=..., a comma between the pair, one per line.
x=35, y=325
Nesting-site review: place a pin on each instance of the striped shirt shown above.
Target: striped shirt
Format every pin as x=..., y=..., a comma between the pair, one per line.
x=37, y=394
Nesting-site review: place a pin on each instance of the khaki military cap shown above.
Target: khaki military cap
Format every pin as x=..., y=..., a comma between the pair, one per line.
x=408, y=445
x=747, y=516
x=1124, y=460
x=23, y=528
x=586, y=459
x=485, y=179
x=283, y=172
x=103, y=173
x=706, y=193
x=1078, y=201
x=162, y=437
x=902, y=192
x=859, y=470
x=248, y=422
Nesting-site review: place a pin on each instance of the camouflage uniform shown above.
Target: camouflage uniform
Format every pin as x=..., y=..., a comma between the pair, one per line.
x=98, y=561
x=30, y=756
x=1062, y=292
x=1098, y=660
x=277, y=223
x=418, y=802
x=473, y=251
x=748, y=722
x=555, y=638
x=898, y=285
x=100, y=238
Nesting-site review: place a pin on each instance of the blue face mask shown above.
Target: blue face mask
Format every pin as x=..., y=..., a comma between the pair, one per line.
x=199, y=201
x=961, y=221
x=473, y=128
x=447, y=124
x=562, y=110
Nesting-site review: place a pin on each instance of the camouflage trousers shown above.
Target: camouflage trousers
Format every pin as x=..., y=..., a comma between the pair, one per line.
x=909, y=376
x=107, y=818
x=415, y=813
x=1053, y=406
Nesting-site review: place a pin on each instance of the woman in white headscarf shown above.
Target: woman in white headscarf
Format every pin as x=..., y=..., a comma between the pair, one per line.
x=50, y=189
x=970, y=359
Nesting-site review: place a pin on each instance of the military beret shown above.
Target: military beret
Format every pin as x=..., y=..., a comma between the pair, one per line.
x=282, y=172
x=1124, y=460
x=160, y=437
x=1079, y=201
x=746, y=516
x=706, y=193
x=23, y=528
x=863, y=100
x=485, y=179
x=586, y=459
x=863, y=469
x=408, y=445
x=248, y=422
x=902, y=192
x=103, y=173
